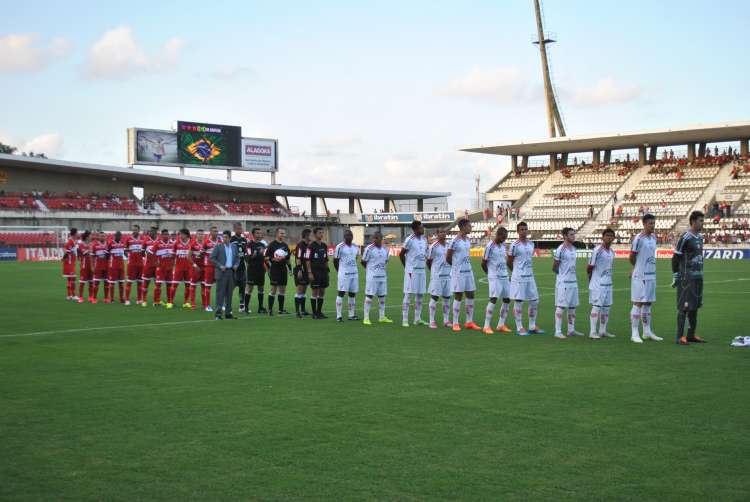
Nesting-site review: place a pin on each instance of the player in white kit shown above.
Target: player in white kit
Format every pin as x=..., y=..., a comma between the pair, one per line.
x=643, y=282
x=495, y=264
x=522, y=282
x=374, y=259
x=440, y=279
x=413, y=257
x=599, y=271
x=462, y=277
x=345, y=262
x=566, y=283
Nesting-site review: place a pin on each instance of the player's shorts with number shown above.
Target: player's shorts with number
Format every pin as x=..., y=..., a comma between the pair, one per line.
x=642, y=291
x=135, y=271
x=440, y=286
x=415, y=283
x=181, y=275
x=86, y=275
x=463, y=282
x=101, y=274
x=209, y=276
x=524, y=290
x=376, y=287
x=164, y=275
x=601, y=296
x=347, y=282
x=116, y=275
x=566, y=295
x=499, y=287
x=196, y=275
x=148, y=273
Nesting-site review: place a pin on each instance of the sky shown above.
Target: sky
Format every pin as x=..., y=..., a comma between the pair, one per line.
x=364, y=94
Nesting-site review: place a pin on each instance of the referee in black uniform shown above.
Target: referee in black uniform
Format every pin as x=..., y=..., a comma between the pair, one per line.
x=278, y=258
x=301, y=280
x=256, y=269
x=317, y=272
x=240, y=274
x=687, y=270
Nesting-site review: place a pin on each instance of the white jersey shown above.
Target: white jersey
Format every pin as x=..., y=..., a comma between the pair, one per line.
x=601, y=263
x=347, y=257
x=461, y=261
x=376, y=259
x=416, y=247
x=495, y=254
x=439, y=267
x=522, y=253
x=645, y=261
x=565, y=254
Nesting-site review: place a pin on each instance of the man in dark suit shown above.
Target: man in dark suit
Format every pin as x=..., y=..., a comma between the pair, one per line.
x=226, y=258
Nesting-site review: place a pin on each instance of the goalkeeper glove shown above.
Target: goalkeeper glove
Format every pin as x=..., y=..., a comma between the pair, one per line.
x=676, y=278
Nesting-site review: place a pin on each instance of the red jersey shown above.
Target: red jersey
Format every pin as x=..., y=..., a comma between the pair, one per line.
x=116, y=255
x=70, y=250
x=182, y=252
x=151, y=259
x=196, y=249
x=208, y=246
x=164, y=253
x=135, y=247
x=100, y=251
x=84, y=255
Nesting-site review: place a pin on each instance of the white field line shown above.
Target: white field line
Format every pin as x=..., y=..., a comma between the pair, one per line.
x=256, y=317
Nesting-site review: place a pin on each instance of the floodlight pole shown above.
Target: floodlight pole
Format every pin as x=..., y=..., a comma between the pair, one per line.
x=553, y=113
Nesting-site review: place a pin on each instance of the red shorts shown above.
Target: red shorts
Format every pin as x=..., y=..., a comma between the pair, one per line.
x=100, y=274
x=208, y=276
x=116, y=275
x=149, y=272
x=86, y=275
x=181, y=275
x=135, y=271
x=196, y=276
x=69, y=269
x=164, y=275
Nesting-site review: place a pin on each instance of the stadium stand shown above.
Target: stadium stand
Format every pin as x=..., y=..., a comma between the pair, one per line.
x=25, y=239
x=74, y=201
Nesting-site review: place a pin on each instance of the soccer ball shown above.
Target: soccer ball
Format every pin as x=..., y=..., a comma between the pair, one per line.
x=280, y=254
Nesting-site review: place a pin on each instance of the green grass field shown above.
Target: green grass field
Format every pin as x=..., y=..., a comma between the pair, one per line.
x=106, y=402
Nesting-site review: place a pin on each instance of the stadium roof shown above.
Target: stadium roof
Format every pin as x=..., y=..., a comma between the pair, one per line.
x=621, y=141
x=140, y=175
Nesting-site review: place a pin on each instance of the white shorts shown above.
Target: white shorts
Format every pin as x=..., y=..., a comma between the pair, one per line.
x=463, y=282
x=415, y=283
x=566, y=295
x=499, y=288
x=348, y=283
x=642, y=291
x=525, y=291
x=376, y=287
x=601, y=296
x=440, y=286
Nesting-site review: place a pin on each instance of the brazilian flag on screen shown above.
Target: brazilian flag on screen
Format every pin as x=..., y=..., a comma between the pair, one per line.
x=208, y=144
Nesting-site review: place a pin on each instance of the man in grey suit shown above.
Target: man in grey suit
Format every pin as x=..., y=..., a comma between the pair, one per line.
x=226, y=259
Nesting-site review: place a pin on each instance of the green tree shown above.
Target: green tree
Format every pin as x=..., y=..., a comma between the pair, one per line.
x=7, y=148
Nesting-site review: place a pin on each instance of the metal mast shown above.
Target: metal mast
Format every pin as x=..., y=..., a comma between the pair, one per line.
x=554, y=122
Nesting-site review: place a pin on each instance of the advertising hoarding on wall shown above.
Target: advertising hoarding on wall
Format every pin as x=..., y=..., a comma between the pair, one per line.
x=259, y=154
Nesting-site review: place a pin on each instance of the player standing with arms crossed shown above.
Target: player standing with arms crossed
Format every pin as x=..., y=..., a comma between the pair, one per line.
x=687, y=270
x=522, y=281
x=566, y=283
x=440, y=279
x=316, y=259
x=599, y=271
x=374, y=260
x=278, y=258
x=301, y=281
x=70, y=255
x=345, y=263
x=643, y=281
x=495, y=264
x=413, y=256
x=462, y=277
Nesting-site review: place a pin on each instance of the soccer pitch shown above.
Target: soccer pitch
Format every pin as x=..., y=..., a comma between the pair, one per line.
x=127, y=403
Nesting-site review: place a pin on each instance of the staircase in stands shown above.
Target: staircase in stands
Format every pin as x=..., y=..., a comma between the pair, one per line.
x=719, y=182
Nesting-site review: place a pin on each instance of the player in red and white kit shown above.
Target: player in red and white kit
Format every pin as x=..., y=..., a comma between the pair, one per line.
x=86, y=266
x=208, y=268
x=183, y=268
x=164, y=251
x=100, y=252
x=134, y=249
x=70, y=253
x=116, y=268
x=196, y=275
x=150, y=263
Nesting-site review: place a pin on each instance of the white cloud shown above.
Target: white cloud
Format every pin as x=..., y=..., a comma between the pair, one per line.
x=607, y=91
x=233, y=72
x=48, y=144
x=117, y=56
x=498, y=85
x=22, y=52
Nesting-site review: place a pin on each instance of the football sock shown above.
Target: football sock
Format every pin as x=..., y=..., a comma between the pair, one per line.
x=558, y=320
x=71, y=284
x=339, y=306
x=518, y=314
x=503, y=314
x=144, y=291
x=488, y=314
x=92, y=289
x=594, y=318
x=296, y=303
x=128, y=287
x=247, y=301
x=433, y=309
x=281, y=299
x=96, y=289
x=446, y=310
x=533, y=308
x=635, y=317
x=603, y=319
x=260, y=299
x=120, y=291
x=80, y=288
x=352, y=306
x=681, y=317
x=320, y=305
x=693, y=320
x=456, y=311
x=646, y=318
x=417, y=307
x=381, y=306
x=405, y=309
x=270, y=303
x=470, y=310
x=571, y=320
x=314, y=304
x=366, y=309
